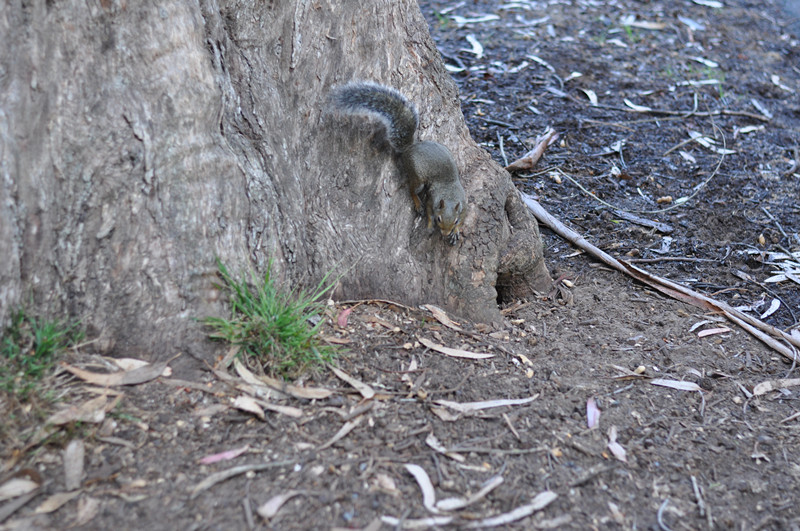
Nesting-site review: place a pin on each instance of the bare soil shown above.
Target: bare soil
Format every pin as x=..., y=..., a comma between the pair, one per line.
x=714, y=458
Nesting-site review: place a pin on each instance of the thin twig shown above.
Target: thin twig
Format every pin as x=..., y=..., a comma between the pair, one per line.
x=661, y=523
x=498, y=122
x=759, y=329
x=248, y=513
x=701, y=505
x=502, y=149
x=217, y=477
x=499, y=451
x=670, y=259
x=683, y=114
x=374, y=301
x=766, y=288
x=529, y=159
x=795, y=163
x=591, y=474
x=678, y=146
x=696, y=191
x=777, y=223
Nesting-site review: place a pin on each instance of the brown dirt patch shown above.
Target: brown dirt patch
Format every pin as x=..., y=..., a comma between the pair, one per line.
x=719, y=458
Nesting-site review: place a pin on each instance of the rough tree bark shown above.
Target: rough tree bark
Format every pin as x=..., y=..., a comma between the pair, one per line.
x=139, y=140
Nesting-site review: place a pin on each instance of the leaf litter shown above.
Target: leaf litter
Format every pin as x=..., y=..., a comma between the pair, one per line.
x=570, y=346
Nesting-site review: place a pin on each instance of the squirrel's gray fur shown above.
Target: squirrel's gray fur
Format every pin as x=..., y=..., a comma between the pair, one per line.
x=397, y=114
x=429, y=166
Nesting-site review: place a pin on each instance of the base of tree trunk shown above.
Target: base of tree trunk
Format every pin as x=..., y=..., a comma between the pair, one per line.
x=141, y=142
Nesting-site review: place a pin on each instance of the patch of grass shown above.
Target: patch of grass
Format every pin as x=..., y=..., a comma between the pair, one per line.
x=444, y=20
x=704, y=72
x=719, y=75
x=29, y=350
x=633, y=37
x=273, y=325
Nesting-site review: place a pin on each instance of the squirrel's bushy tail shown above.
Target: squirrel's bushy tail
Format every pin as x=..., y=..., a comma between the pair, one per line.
x=397, y=113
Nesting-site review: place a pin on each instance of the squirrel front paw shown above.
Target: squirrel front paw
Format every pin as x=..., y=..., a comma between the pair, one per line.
x=452, y=238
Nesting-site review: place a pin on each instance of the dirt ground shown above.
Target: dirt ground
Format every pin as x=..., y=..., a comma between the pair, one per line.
x=709, y=454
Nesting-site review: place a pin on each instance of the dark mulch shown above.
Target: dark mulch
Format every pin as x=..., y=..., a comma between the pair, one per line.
x=716, y=458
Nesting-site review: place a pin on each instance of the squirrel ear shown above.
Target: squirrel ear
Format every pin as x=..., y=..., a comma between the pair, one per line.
x=441, y=204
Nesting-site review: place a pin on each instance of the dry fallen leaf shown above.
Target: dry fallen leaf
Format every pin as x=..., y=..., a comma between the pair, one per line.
x=637, y=108
x=701, y=323
x=773, y=385
x=17, y=487
x=131, y=377
x=437, y=446
x=343, y=431
x=715, y=4
x=441, y=316
x=247, y=403
x=466, y=407
x=335, y=340
x=87, y=509
x=92, y=411
x=56, y=501
x=709, y=143
x=425, y=485
x=444, y=414
x=592, y=413
x=224, y=456
x=675, y=384
x=290, y=411
x=616, y=449
x=254, y=387
x=308, y=393
x=73, y=464
x=592, y=97
x=713, y=331
x=542, y=500
x=773, y=307
x=341, y=320
x=128, y=364
x=387, y=484
x=416, y=523
x=454, y=352
x=477, y=47
x=271, y=507
x=365, y=390
x=454, y=504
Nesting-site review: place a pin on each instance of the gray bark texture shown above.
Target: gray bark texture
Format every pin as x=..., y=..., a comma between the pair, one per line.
x=140, y=140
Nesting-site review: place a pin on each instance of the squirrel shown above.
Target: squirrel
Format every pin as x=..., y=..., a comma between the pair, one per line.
x=429, y=166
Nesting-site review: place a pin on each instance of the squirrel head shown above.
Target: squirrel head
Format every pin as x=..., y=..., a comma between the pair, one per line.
x=448, y=216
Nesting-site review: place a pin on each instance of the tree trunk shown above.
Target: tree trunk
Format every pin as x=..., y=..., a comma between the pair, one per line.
x=139, y=140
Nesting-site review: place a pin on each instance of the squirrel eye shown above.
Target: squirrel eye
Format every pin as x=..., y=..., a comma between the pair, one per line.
x=438, y=219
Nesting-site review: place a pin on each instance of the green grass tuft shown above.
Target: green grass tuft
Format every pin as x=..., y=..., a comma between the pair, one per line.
x=29, y=351
x=272, y=325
